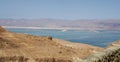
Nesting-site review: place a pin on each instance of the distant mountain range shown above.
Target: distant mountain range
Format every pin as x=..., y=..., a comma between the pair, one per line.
x=92, y=24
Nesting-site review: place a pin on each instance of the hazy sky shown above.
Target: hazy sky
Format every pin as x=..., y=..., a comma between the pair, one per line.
x=60, y=9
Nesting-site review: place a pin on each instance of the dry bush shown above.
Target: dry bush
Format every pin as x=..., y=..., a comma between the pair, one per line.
x=14, y=59
x=51, y=60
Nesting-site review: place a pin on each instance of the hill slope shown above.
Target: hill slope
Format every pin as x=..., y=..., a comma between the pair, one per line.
x=29, y=48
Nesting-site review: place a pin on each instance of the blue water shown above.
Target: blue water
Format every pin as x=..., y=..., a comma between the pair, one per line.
x=100, y=38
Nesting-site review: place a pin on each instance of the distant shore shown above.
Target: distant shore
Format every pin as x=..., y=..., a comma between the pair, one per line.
x=57, y=28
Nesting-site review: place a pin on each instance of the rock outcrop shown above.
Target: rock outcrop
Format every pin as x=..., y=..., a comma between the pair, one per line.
x=110, y=54
x=29, y=48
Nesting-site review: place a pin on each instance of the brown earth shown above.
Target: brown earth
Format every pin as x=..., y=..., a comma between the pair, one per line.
x=29, y=48
x=2, y=29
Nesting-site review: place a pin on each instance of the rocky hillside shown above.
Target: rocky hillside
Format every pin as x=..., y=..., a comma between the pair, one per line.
x=110, y=54
x=29, y=48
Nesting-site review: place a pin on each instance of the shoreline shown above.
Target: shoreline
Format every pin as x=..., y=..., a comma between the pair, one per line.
x=42, y=27
x=56, y=28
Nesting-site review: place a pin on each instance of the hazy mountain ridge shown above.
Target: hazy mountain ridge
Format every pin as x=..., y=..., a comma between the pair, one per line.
x=59, y=23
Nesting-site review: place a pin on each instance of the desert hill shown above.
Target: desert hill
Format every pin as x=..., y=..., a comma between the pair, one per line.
x=28, y=48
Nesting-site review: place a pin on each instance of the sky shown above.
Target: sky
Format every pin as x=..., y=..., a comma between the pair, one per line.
x=60, y=9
